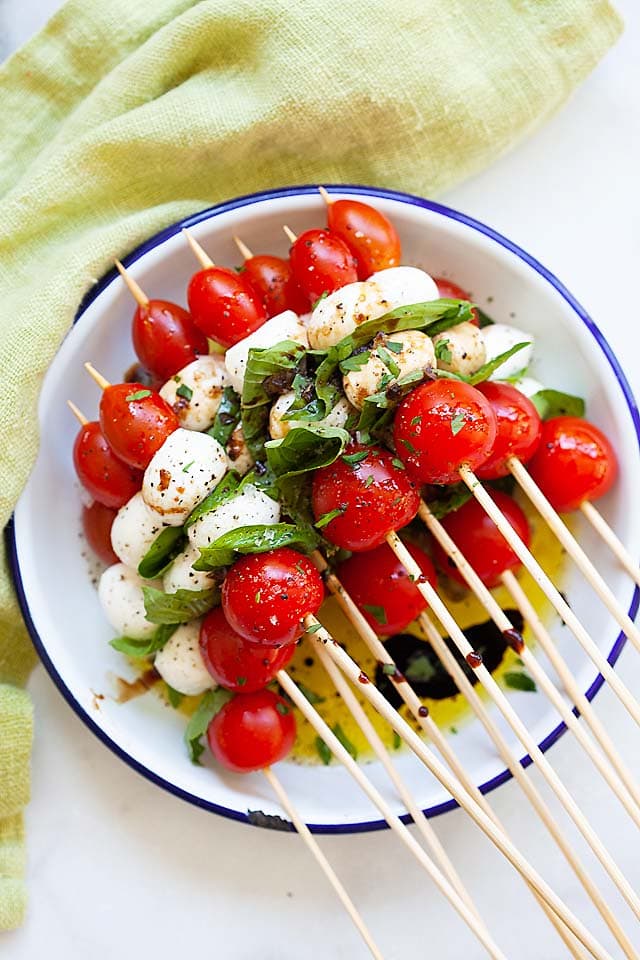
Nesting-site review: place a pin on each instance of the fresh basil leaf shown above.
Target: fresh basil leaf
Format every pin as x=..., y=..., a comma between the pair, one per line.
x=518, y=680
x=323, y=751
x=483, y=318
x=162, y=552
x=174, y=697
x=457, y=423
x=225, y=490
x=178, y=607
x=326, y=518
x=132, y=647
x=447, y=499
x=211, y=703
x=270, y=372
x=185, y=392
x=379, y=614
x=311, y=695
x=355, y=362
x=227, y=417
x=487, y=369
x=255, y=538
x=442, y=351
x=138, y=395
x=554, y=403
x=295, y=457
x=344, y=740
x=420, y=669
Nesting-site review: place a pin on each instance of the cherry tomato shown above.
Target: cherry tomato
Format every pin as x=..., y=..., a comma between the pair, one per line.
x=519, y=428
x=252, y=731
x=372, y=497
x=321, y=263
x=480, y=541
x=97, y=521
x=271, y=277
x=442, y=426
x=224, y=305
x=382, y=589
x=234, y=662
x=136, y=421
x=574, y=462
x=165, y=338
x=108, y=479
x=370, y=236
x=266, y=596
x=451, y=291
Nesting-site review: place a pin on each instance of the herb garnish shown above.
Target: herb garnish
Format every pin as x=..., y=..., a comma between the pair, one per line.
x=184, y=391
x=457, y=423
x=378, y=613
x=138, y=395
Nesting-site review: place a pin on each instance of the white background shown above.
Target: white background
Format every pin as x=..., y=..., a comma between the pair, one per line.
x=117, y=868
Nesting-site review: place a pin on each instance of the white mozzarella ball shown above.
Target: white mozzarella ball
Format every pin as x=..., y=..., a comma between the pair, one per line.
x=120, y=593
x=238, y=454
x=339, y=414
x=181, y=473
x=284, y=326
x=249, y=507
x=416, y=355
x=402, y=286
x=528, y=385
x=182, y=576
x=461, y=349
x=134, y=529
x=180, y=662
x=205, y=378
x=279, y=427
x=500, y=337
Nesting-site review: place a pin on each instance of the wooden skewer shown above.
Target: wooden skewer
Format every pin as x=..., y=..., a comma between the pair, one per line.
x=136, y=292
x=326, y=196
x=553, y=595
x=614, y=543
x=629, y=800
x=291, y=237
x=321, y=860
x=243, y=248
x=422, y=751
x=575, y=551
x=518, y=727
x=201, y=255
x=102, y=382
x=78, y=414
x=378, y=747
x=399, y=828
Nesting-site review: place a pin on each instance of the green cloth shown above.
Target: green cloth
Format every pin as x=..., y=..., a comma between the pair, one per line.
x=121, y=117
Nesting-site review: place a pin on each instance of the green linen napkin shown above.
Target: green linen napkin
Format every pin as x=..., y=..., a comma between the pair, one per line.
x=121, y=117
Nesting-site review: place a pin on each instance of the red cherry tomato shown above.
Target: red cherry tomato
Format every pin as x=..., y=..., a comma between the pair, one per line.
x=266, y=596
x=165, y=338
x=234, y=662
x=451, y=291
x=442, y=426
x=224, y=305
x=382, y=589
x=252, y=731
x=136, y=421
x=480, y=541
x=519, y=428
x=574, y=462
x=272, y=278
x=370, y=236
x=97, y=521
x=321, y=263
x=373, y=497
x=108, y=479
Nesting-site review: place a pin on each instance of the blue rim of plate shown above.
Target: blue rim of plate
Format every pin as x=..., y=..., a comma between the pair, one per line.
x=208, y=214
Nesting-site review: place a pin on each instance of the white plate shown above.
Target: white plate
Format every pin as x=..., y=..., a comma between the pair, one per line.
x=61, y=607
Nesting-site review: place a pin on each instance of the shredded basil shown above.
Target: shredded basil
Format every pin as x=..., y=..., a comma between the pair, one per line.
x=255, y=538
x=227, y=417
x=519, y=680
x=162, y=552
x=270, y=372
x=211, y=703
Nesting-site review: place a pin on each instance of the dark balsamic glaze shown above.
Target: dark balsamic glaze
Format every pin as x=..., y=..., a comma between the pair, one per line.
x=127, y=690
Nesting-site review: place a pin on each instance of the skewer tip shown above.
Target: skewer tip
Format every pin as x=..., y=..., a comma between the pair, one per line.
x=291, y=237
x=201, y=255
x=134, y=289
x=78, y=414
x=326, y=196
x=102, y=382
x=243, y=248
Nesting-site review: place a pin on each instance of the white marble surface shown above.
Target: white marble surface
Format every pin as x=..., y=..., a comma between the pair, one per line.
x=118, y=868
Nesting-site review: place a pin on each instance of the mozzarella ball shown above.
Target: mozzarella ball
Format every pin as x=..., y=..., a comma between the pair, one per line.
x=416, y=355
x=120, y=593
x=499, y=337
x=248, y=507
x=403, y=286
x=181, y=473
x=180, y=662
x=528, y=385
x=279, y=427
x=134, y=529
x=182, y=576
x=206, y=378
x=238, y=454
x=284, y=326
x=462, y=349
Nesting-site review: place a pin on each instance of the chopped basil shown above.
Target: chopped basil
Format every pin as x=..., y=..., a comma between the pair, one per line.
x=483, y=318
x=378, y=613
x=397, y=740
x=174, y=697
x=326, y=518
x=178, y=607
x=554, y=403
x=138, y=395
x=269, y=373
x=446, y=499
x=311, y=696
x=388, y=361
x=241, y=681
x=293, y=459
x=356, y=362
x=457, y=423
x=353, y=458
x=487, y=369
x=344, y=740
x=394, y=346
x=211, y=703
x=323, y=751
x=398, y=464
x=313, y=628
x=184, y=391
x=519, y=680
x=162, y=552
x=132, y=647
x=443, y=352
x=227, y=417
x=321, y=297
x=389, y=669
x=255, y=538
x=282, y=709
x=188, y=466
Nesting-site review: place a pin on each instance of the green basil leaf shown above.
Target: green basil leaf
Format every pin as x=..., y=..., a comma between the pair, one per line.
x=520, y=681
x=269, y=373
x=323, y=751
x=311, y=695
x=174, y=697
x=162, y=552
x=256, y=538
x=178, y=607
x=225, y=490
x=379, y=614
x=344, y=740
x=487, y=369
x=211, y=703
x=484, y=318
x=132, y=647
x=554, y=403
x=227, y=417
x=294, y=458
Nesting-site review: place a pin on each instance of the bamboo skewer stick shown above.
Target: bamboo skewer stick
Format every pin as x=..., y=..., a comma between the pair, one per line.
x=630, y=799
x=313, y=846
x=498, y=697
x=134, y=289
x=290, y=235
x=422, y=751
x=575, y=551
x=399, y=828
x=326, y=196
x=614, y=543
x=78, y=414
x=559, y=603
x=245, y=252
x=102, y=382
x=200, y=253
